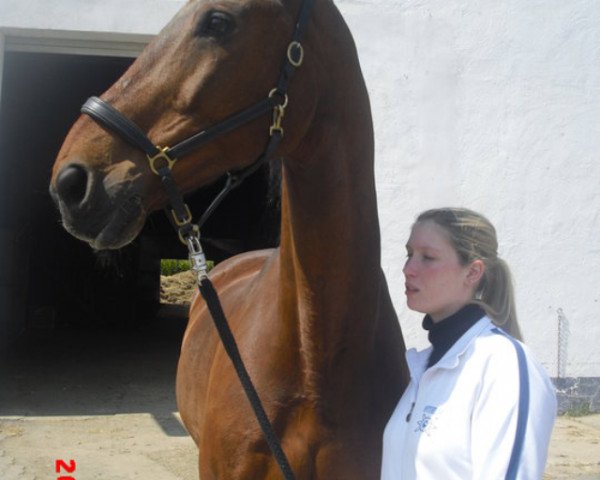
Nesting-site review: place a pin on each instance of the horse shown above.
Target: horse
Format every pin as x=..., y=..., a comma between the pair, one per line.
x=313, y=317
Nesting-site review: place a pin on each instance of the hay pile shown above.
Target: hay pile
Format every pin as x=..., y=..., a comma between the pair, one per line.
x=177, y=289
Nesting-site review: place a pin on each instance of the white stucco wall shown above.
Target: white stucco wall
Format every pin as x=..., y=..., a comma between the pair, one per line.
x=493, y=105
x=109, y=16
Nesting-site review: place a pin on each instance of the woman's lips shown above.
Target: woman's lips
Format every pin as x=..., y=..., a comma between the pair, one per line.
x=410, y=289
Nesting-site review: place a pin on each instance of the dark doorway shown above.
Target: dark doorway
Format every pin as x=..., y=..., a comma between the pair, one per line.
x=50, y=280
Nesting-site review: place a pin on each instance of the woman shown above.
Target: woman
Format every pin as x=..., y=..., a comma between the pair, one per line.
x=478, y=405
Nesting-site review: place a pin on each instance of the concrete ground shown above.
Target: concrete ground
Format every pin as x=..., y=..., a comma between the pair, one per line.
x=105, y=399
x=575, y=449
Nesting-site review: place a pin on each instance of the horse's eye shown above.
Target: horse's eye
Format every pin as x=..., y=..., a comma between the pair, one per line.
x=216, y=24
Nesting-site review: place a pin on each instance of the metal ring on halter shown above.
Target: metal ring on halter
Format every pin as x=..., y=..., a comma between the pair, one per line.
x=195, y=233
x=164, y=154
x=273, y=92
x=298, y=46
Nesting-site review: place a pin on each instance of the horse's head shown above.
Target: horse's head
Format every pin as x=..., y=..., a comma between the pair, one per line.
x=214, y=59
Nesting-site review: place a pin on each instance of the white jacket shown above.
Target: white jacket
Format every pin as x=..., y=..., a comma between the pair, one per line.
x=462, y=413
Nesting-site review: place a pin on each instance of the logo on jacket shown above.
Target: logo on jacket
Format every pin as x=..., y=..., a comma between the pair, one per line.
x=426, y=415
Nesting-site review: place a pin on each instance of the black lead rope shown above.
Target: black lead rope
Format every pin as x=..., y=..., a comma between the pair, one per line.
x=214, y=306
x=190, y=233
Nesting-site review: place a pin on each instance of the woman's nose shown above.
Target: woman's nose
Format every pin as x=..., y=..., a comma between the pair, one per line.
x=408, y=269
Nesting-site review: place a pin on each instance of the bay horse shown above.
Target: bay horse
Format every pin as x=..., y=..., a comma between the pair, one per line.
x=313, y=318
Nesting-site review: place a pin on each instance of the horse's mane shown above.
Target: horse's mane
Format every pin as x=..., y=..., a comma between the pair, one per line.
x=271, y=217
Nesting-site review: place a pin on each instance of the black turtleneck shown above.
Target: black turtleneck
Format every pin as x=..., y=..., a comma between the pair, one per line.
x=446, y=332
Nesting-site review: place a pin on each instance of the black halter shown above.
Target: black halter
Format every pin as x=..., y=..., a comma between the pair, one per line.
x=160, y=157
x=162, y=160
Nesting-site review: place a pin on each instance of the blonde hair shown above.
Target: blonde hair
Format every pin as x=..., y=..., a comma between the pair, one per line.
x=474, y=238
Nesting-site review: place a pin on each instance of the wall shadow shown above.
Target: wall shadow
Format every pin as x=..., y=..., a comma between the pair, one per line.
x=99, y=370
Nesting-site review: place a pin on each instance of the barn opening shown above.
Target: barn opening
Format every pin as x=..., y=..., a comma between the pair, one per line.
x=50, y=280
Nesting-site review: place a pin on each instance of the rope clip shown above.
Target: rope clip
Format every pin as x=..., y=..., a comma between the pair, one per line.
x=197, y=257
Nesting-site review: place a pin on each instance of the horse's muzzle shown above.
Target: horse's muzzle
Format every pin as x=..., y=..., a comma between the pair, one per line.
x=90, y=213
x=71, y=185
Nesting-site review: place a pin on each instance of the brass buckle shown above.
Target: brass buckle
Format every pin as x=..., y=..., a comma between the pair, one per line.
x=278, y=113
x=295, y=45
x=186, y=220
x=162, y=154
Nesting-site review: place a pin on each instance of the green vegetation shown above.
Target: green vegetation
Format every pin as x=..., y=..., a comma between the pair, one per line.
x=579, y=410
x=582, y=410
x=171, y=266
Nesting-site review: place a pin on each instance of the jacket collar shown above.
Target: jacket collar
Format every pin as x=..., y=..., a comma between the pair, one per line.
x=452, y=356
x=444, y=334
x=417, y=360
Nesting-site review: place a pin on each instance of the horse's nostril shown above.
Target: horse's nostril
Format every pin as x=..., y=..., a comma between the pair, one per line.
x=71, y=184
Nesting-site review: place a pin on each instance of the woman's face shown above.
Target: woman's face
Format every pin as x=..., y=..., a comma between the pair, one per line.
x=436, y=283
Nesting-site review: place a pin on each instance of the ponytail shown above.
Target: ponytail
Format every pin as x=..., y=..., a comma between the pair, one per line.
x=496, y=296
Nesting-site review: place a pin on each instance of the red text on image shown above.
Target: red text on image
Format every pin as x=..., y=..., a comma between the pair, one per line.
x=61, y=466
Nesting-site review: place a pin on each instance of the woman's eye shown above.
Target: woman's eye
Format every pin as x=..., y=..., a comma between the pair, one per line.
x=216, y=24
x=427, y=258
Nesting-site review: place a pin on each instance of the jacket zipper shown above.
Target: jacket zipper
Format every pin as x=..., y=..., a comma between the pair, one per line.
x=412, y=406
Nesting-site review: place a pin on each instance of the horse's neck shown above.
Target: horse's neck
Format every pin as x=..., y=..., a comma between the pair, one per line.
x=330, y=227
x=331, y=286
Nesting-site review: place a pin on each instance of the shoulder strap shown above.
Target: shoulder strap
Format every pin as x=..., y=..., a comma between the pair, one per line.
x=515, y=456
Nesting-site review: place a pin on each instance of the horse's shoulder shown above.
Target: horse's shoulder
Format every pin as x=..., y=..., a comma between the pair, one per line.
x=237, y=270
x=231, y=277
x=239, y=267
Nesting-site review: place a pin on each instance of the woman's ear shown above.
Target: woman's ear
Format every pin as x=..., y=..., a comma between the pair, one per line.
x=475, y=271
